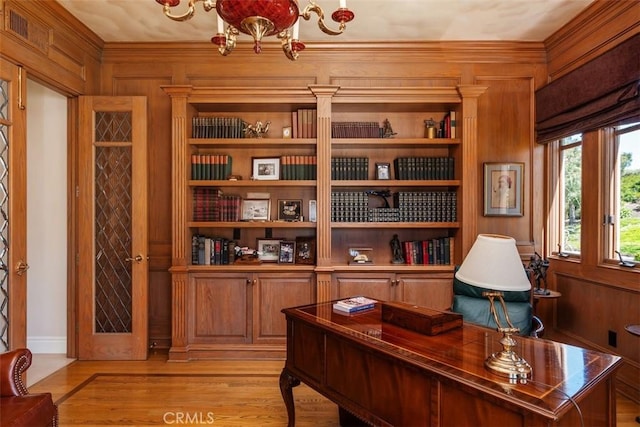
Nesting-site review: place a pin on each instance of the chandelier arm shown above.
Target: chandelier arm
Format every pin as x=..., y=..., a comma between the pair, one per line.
x=230, y=41
x=287, y=48
x=313, y=7
x=191, y=9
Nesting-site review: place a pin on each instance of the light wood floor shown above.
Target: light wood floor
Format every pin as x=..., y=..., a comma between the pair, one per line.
x=87, y=399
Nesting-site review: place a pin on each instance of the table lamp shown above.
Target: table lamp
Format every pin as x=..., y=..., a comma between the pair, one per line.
x=494, y=263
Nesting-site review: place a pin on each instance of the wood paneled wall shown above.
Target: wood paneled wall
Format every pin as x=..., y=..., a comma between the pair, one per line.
x=596, y=298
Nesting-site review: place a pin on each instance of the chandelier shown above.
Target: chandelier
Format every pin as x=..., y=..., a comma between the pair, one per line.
x=261, y=18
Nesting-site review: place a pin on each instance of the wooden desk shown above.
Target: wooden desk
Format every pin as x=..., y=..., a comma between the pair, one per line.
x=387, y=375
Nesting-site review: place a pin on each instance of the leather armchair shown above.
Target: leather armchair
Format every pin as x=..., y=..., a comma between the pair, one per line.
x=17, y=406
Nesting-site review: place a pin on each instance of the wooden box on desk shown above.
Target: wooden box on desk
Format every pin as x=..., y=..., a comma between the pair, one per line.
x=420, y=319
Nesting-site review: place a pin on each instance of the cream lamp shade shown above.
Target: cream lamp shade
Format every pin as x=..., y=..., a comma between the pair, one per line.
x=494, y=263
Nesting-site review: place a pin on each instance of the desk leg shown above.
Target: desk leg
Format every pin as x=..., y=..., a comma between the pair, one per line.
x=287, y=382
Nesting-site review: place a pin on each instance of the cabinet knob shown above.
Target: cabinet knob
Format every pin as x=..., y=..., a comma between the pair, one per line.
x=248, y=281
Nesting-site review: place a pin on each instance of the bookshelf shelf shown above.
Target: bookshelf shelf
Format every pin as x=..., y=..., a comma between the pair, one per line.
x=251, y=183
x=393, y=143
x=396, y=183
x=251, y=224
x=252, y=142
x=395, y=225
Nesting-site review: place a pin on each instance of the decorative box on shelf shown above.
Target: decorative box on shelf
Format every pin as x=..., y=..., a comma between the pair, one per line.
x=423, y=320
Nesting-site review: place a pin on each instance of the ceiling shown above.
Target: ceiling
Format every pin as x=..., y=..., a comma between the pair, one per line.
x=376, y=20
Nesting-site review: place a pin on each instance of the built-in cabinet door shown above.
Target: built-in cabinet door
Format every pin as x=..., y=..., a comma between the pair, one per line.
x=431, y=290
x=13, y=208
x=272, y=293
x=112, y=228
x=426, y=290
x=220, y=308
x=379, y=286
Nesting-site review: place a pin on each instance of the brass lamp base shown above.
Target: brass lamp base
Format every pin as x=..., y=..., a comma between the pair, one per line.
x=508, y=364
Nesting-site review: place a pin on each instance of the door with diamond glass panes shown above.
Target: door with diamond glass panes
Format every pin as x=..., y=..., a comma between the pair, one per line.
x=13, y=209
x=112, y=228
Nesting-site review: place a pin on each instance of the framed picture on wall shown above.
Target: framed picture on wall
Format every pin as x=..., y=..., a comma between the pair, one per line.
x=503, y=189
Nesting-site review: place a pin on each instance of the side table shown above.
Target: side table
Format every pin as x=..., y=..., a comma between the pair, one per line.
x=537, y=297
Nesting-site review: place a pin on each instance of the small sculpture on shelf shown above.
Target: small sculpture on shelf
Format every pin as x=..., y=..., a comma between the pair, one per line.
x=246, y=255
x=257, y=130
x=538, y=267
x=396, y=250
x=381, y=193
x=387, y=130
x=430, y=128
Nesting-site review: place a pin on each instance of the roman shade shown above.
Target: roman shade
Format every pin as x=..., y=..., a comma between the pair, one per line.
x=603, y=92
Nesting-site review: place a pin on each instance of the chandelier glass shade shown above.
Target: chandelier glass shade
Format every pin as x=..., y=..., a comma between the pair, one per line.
x=261, y=18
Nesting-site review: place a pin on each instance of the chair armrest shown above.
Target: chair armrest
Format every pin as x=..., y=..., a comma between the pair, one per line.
x=12, y=365
x=537, y=327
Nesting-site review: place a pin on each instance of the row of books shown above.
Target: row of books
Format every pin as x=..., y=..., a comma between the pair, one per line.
x=210, y=166
x=304, y=123
x=410, y=206
x=356, y=130
x=211, y=204
x=425, y=168
x=349, y=168
x=298, y=167
x=349, y=206
x=212, y=250
x=218, y=127
x=437, y=251
x=426, y=206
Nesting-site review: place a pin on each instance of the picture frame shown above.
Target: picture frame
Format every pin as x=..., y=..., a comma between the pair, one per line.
x=503, y=189
x=287, y=252
x=268, y=249
x=255, y=210
x=383, y=171
x=289, y=210
x=286, y=132
x=305, y=250
x=265, y=168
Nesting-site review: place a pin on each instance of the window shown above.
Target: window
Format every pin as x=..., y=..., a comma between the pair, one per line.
x=566, y=203
x=571, y=194
x=622, y=194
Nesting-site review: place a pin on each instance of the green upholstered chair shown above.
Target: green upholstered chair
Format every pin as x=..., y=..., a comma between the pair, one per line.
x=468, y=301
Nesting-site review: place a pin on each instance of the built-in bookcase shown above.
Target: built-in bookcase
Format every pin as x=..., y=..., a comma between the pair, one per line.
x=423, y=174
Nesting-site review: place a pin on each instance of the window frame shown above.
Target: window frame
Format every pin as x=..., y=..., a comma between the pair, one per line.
x=611, y=186
x=555, y=221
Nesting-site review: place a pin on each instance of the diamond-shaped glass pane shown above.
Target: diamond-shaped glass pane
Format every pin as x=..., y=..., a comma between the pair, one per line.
x=113, y=300
x=4, y=217
x=113, y=126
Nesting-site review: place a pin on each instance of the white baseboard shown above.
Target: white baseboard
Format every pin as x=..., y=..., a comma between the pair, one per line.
x=47, y=345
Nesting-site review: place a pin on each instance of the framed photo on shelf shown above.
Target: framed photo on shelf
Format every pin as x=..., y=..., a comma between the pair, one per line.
x=265, y=169
x=287, y=252
x=503, y=189
x=286, y=132
x=255, y=210
x=289, y=210
x=268, y=249
x=305, y=250
x=383, y=171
